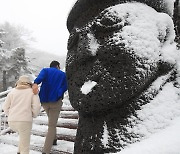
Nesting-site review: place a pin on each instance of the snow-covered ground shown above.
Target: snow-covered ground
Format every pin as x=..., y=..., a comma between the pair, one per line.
x=166, y=141
x=162, y=141
x=11, y=140
x=10, y=149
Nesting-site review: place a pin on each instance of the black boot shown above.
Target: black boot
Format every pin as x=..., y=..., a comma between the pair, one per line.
x=55, y=142
x=18, y=152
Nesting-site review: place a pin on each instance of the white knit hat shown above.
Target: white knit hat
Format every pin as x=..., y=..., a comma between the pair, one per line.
x=23, y=80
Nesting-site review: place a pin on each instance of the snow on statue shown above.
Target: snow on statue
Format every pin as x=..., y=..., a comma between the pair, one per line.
x=126, y=53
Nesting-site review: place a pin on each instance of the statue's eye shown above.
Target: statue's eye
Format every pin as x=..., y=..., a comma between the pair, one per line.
x=107, y=24
x=73, y=38
x=109, y=20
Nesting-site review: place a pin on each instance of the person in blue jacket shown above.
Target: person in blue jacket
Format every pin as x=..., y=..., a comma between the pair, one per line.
x=53, y=86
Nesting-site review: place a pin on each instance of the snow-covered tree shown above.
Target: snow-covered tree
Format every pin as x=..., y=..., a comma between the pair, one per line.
x=1, y=42
x=4, y=60
x=13, y=64
x=13, y=40
x=3, y=57
x=15, y=36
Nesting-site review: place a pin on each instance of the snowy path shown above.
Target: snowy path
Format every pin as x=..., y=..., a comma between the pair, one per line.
x=66, y=132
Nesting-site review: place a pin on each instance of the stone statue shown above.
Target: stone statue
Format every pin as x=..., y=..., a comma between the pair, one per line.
x=116, y=65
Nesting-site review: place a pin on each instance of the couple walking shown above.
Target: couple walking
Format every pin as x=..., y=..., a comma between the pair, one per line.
x=23, y=103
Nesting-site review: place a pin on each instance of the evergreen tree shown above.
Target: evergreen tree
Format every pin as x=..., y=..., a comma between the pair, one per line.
x=13, y=62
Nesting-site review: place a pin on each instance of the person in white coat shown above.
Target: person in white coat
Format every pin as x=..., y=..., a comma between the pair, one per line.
x=21, y=106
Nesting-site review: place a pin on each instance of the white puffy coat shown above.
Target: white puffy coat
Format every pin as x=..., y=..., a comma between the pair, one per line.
x=21, y=105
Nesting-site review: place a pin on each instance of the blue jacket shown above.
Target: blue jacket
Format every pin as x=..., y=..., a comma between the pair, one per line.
x=54, y=84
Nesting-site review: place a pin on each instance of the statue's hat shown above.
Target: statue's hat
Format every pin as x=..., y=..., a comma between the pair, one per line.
x=87, y=9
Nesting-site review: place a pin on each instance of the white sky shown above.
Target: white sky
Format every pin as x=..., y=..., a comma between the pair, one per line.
x=46, y=18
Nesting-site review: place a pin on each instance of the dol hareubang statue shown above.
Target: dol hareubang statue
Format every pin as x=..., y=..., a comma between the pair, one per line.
x=117, y=64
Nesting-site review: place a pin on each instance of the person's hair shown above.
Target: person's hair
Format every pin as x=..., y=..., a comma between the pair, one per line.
x=54, y=64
